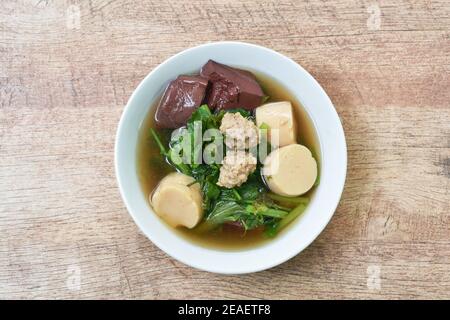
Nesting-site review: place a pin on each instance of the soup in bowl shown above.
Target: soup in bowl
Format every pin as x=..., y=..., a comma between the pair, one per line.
x=221, y=157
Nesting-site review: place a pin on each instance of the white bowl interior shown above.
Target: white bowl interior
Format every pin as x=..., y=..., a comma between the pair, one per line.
x=316, y=104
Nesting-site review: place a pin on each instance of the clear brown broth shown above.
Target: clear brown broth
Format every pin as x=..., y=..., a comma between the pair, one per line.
x=152, y=167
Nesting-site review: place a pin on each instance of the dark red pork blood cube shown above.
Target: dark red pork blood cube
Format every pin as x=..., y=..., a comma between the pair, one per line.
x=233, y=226
x=230, y=87
x=182, y=96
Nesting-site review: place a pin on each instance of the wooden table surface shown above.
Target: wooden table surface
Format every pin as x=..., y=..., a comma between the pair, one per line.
x=68, y=67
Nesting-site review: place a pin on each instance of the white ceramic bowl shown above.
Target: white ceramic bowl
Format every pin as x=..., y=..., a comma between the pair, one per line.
x=325, y=120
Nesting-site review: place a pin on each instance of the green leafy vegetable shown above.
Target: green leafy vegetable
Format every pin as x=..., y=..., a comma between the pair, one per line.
x=158, y=142
x=250, y=205
x=203, y=114
x=224, y=211
x=290, y=200
x=236, y=194
x=179, y=166
x=190, y=140
x=275, y=227
x=263, y=209
x=244, y=205
x=250, y=190
x=264, y=126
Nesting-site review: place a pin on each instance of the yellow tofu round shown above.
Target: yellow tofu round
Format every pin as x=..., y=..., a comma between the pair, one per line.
x=177, y=203
x=279, y=116
x=290, y=170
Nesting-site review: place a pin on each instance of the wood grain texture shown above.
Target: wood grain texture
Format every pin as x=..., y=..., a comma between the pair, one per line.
x=62, y=90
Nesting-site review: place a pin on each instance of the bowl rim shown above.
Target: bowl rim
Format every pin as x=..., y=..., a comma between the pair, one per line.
x=218, y=269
